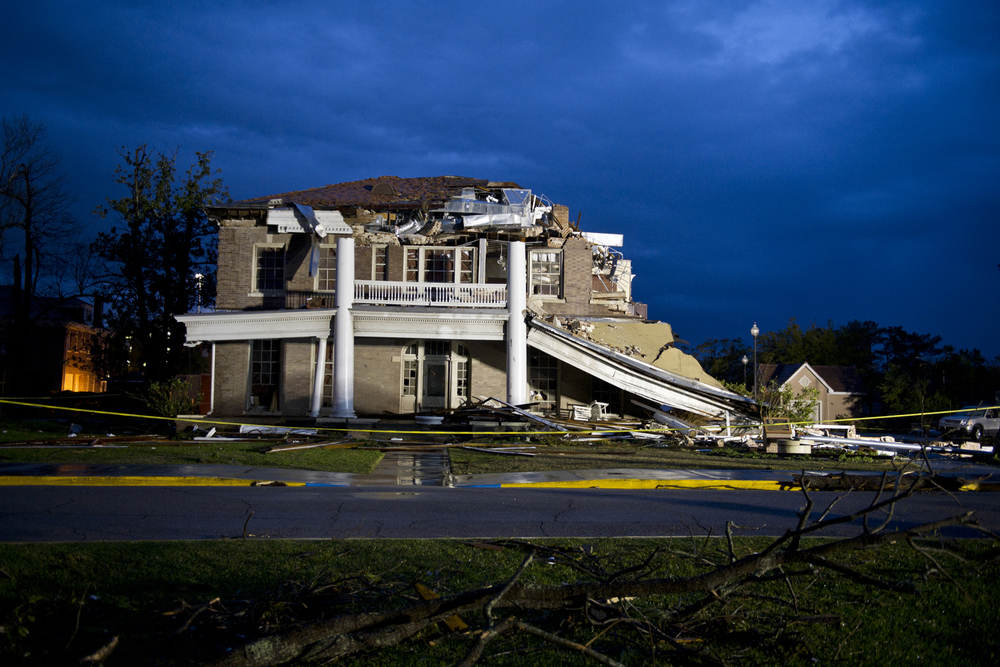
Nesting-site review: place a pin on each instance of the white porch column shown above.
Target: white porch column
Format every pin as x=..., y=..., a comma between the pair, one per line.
x=317, y=395
x=211, y=389
x=517, y=331
x=343, y=331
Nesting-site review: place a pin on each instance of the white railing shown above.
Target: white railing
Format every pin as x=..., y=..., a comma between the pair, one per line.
x=430, y=294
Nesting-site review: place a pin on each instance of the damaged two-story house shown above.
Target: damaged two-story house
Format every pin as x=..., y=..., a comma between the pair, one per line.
x=393, y=296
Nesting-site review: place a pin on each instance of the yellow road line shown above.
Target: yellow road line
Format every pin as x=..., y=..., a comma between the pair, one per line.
x=981, y=486
x=29, y=480
x=756, y=484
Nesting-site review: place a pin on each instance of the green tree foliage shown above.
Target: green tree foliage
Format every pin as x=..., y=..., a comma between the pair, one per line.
x=782, y=401
x=903, y=372
x=723, y=359
x=172, y=397
x=160, y=242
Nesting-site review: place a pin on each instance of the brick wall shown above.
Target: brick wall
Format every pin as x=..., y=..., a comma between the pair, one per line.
x=395, y=257
x=231, y=373
x=298, y=251
x=236, y=264
x=297, y=366
x=377, y=375
x=578, y=266
x=362, y=263
x=488, y=374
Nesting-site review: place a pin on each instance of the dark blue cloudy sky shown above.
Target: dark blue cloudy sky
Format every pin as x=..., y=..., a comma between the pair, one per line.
x=822, y=160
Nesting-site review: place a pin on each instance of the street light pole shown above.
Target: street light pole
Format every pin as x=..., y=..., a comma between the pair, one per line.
x=745, y=361
x=754, y=331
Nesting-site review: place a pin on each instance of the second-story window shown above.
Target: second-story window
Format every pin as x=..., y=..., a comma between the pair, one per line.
x=440, y=265
x=326, y=276
x=269, y=269
x=380, y=262
x=546, y=273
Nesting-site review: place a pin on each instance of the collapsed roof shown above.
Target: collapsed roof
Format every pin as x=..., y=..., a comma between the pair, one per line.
x=672, y=379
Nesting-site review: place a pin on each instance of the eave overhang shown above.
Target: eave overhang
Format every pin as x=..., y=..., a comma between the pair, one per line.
x=369, y=322
x=257, y=324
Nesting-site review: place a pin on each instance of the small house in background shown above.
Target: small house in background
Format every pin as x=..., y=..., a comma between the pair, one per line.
x=840, y=388
x=58, y=350
x=392, y=296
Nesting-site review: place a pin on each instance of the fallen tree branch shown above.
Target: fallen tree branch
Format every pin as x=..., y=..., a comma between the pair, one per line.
x=344, y=635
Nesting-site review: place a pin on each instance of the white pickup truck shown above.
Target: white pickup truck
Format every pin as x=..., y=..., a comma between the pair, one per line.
x=973, y=423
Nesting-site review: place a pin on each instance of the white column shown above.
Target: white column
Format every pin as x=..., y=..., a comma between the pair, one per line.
x=343, y=331
x=317, y=395
x=517, y=331
x=211, y=388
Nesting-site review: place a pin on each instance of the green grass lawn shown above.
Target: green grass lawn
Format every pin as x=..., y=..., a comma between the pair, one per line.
x=230, y=453
x=550, y=454
x=565, y=457
x=61, y=602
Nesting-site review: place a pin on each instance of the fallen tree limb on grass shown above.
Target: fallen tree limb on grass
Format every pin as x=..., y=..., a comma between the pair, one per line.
x=343, y=636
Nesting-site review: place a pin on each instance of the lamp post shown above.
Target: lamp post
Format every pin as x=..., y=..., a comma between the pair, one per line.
x=745, y=361
x=198, y=278
x=754, y=331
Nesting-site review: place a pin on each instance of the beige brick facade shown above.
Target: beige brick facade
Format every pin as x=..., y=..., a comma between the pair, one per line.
x=378, y=365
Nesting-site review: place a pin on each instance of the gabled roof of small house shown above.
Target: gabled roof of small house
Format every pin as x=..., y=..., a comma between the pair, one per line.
x=384, y=192
x=779, y=374
x=842, y=379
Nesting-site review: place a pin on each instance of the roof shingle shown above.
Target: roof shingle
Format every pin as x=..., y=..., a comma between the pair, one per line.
x=422, y=192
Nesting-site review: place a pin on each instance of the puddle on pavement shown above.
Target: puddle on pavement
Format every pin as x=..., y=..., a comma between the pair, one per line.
x=410, y=468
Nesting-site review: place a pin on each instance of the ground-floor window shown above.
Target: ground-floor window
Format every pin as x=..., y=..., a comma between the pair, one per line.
x=434, y=375
x=543, y=380
x=610, y=394
x=265, y=371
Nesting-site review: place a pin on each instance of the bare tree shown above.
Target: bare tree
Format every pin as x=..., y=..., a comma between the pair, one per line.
x=37, y=233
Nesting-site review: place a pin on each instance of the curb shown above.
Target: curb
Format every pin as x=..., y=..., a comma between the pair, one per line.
x=753, y=484
x=28, y=480
x=623, y=484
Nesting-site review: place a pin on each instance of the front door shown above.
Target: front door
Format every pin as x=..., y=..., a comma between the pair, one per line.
x=435, y=386
x=435, y=376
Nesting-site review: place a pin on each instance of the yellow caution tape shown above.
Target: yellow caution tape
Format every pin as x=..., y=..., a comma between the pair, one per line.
x=600, y=431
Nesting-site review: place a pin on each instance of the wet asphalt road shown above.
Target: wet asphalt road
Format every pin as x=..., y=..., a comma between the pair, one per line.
x=47, y=514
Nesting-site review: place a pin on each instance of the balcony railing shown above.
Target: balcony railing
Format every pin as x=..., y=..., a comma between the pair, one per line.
x=380, y=292
x=430, y=294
